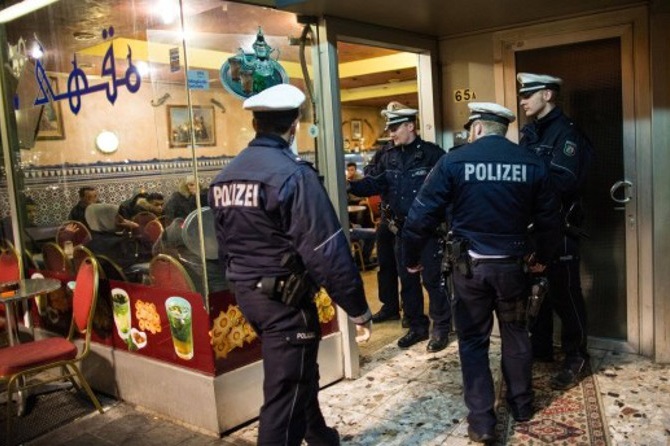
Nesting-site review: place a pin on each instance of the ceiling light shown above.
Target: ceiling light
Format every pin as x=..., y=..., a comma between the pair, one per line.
x=36, y=52
x=20, y=9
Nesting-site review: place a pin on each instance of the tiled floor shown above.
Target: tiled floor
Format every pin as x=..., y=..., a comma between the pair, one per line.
x=406, y=397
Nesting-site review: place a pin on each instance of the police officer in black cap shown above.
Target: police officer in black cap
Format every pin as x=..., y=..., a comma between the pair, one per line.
x=281, y=239
x=567, y=152
x=493, y=192
x=400, y=171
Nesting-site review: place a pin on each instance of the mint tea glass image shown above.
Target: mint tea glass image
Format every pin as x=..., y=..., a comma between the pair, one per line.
x=181, y=325
x=121, y=311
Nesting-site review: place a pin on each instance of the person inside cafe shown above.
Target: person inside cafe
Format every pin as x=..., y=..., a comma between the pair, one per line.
x=7, y=228
x=183, y=201
x=87, y=195
x=112, y=236
x=127, y=208
x=353, y=175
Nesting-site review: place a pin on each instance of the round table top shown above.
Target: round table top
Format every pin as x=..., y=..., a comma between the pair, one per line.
x=29, y=288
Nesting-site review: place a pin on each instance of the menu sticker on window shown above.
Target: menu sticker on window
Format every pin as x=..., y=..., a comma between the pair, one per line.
x=174, y=59
x=198, y=79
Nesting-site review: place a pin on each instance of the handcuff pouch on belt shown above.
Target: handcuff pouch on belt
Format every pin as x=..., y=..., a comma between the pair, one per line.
x=293, y=290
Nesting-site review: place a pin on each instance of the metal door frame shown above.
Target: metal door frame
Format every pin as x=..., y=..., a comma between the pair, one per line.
x=330, y=140
x=631, y=27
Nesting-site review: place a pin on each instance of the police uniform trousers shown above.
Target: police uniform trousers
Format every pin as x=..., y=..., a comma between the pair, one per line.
x=387, y=276
x=500, y=287
x=290, y=344
x=566, y=299
x=411, y=292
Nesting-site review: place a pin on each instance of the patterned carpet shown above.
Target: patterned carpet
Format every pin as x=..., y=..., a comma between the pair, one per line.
x=572, y=417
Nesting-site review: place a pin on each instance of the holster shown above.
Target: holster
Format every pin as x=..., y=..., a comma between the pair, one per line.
x=538, y=292
x=456, y=252
x=293, y=290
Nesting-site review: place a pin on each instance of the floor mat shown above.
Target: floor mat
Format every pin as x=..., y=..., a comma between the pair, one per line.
x=47, y=412
x=565, y=417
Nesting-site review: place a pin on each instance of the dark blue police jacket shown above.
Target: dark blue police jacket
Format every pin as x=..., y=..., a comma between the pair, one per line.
x=268, y=202
x=398, y=174
x=567, y=152
x=496, y=190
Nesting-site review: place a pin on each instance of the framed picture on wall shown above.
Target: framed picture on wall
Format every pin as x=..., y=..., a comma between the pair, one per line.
x=179, y=125
x=51, y=121
x=356, y=129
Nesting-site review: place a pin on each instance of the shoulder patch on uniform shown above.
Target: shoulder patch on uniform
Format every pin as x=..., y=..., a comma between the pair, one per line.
x=570, y=148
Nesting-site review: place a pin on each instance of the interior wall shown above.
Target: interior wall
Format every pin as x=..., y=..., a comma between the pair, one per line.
x=372, y=126
x=147, y=137
x=466, y=63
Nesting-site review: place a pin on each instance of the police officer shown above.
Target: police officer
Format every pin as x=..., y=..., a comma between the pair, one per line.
x=281, y=239
x=567, y=152
x=387, y=274
x=494, y=191
x=400, y=172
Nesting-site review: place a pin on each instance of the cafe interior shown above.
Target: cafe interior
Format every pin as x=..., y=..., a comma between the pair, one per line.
x=123, y=112
x=118, y=114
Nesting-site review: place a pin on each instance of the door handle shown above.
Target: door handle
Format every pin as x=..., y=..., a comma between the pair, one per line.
x=626, y=185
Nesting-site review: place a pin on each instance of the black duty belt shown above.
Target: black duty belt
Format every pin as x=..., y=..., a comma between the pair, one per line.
x=508, y=260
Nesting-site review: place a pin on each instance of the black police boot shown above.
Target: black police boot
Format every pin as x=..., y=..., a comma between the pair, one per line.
x=569, y=375
x=411, y=338
x=486, y=437
x=405, y=322
x=437, y=343
x=384, y=315
x=522, y=414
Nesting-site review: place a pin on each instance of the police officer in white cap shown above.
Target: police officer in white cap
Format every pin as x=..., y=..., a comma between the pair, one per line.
x=399, y=173
x=281, y=240
x=567, y=153
x=492, y=191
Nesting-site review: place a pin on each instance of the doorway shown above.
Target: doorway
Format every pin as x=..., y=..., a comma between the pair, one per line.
x=591, y=95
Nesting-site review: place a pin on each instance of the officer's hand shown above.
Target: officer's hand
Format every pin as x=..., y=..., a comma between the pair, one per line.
x=414, y=269
x=363, y=331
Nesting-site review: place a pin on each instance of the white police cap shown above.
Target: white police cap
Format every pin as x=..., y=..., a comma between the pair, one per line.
x=276, y=98
x=488, y=111
x=530, y=83
x=397, y=113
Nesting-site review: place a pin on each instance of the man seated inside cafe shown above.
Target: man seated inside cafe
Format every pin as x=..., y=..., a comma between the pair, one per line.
x=6, y=228
x=112, y=236
x=87, y=195
x=353, y=175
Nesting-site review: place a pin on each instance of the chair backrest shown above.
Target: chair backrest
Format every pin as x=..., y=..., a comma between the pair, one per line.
x=110, y=268
x=166, y=271
x=55, y=259
x=10, y=262
x=374, y=205
x=80, y=253
x=153, y=230
x=73, y=231
x=84, y=299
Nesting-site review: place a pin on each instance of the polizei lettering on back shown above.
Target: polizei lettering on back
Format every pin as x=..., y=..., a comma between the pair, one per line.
x=513, y=173
x=235, y=194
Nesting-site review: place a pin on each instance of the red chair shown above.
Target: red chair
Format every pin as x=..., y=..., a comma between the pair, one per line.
x=19, y=363
x=374, y=206
x=73, y=231
x=10, y=271
x=80, y=253
x=152, y=231
x=166, y=271
x=55, y=259
x=142, y=218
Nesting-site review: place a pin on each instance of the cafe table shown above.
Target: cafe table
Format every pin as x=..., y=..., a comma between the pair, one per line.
x=23, y=289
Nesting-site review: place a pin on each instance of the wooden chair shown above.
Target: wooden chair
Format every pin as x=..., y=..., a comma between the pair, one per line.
x=55, y=259
x=112, y=270
x=21, y=362
x=166, y=271
x=73, y=231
